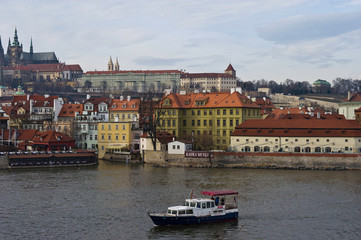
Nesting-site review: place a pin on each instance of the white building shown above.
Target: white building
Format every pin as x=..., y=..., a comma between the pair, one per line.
x=298, y=135
x=348, y=106
x=179, y=147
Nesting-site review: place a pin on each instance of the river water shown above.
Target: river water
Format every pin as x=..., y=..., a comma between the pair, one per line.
x=109, y=201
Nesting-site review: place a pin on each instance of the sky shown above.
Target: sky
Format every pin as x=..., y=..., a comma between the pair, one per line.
x=302, y=40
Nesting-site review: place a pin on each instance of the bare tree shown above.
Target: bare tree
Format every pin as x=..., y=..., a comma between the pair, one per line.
x=150, y=114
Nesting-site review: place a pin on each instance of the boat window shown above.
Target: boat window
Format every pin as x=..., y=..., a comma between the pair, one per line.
x=204, y=205
x=198, y=205
x=181, y=212
x=192, y=204
x=186, y=204
x=212, y=204
x=208, y=204
x=174, y=212
x=190, y=211
x=169, y=211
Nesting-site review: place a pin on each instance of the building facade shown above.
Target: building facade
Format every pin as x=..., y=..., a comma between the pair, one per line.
x=190, y=115
x=215, y=82
x=298, y=136
x=349, y=105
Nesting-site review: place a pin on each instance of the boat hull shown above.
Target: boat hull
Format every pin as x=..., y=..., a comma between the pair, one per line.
x=164, y=220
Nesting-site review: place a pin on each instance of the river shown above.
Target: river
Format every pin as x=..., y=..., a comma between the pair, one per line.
x=109, y=201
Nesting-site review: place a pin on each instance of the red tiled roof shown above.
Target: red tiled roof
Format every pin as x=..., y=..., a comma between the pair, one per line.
x=307, y=116
x=206, y=75
x=162, y=136
x=51, y=136
x=230, y=68
x=299, y=128
x=124, y=105
x=69, y=109
x=356, y=97
x=74, y=67
x=131, y=71
x=213, y=100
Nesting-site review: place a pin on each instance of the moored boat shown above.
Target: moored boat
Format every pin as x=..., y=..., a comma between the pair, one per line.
x=218, y=208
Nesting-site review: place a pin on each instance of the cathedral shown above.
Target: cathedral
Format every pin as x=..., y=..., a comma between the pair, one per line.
x=15, y=55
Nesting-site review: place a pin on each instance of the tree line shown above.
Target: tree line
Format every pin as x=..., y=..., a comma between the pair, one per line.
x=339, y=86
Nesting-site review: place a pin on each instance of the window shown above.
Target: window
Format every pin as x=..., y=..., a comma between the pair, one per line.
x=205, y=112
x=103, y=127
x=204, y=122
x=123, y=137
x=218, y=112
x=224, y=133
x=116, y=127
x=218, y=123
x=109, y=127
x=90, y=137
x=116, y=137
x=231, y=122
x=307, y=140
x=346, y=140
x=102, y=136
x=286, y=140
x=173, y=123
x=198, y=122
x=95, y=137
x=178, y=146
x=109, y=137
x=237, y=122
x=224, y=123
x=193, y=113
x=123, y=127
x=184, y=123
x=224, y=111
x=198, y=112
x=210, y=123
x=210, y=112
x=231, y=111
x=173, y=146
x=168, y=123
x=193, y=123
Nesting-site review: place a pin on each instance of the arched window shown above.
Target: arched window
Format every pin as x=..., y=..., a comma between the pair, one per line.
x=297, y=149
x=317, y=149
x=328, y=149
x=266, y=149
x=307, y=149
x=257, y=149
x=247, y=149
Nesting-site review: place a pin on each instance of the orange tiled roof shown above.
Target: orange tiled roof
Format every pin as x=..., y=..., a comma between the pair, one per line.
x=212, y=100
x=69, y=109
x=124, y=105
x=299, y=128
x=162, y=136
x=51, y=136
x=74, y=67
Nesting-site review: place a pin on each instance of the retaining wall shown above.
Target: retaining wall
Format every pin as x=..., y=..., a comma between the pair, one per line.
x=258, y=160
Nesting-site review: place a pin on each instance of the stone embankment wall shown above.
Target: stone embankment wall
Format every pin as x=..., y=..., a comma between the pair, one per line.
x=258, y=160
x=4, y=162
x=293, y=101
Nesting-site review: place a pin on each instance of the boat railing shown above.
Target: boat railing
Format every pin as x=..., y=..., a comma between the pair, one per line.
x=231, y=206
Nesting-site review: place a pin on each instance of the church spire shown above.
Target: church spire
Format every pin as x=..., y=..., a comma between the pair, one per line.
x=110, y=64
x=16, y=41
x=31, y=46
x=116, y=65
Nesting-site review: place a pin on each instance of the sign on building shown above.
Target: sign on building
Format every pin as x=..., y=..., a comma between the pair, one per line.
x=199, y=154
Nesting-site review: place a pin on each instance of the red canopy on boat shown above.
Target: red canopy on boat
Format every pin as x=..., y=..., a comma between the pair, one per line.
x=220, y=193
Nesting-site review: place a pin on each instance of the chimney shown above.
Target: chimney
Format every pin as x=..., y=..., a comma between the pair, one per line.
x=46, y=95
x=31, y=106
x=239, y=90
x=233, y=90
x=264, y=99
x=27, y=97
x=121, y=98
x=87, y=96
x=318, y=115
x=349, y=95
x=128, y=98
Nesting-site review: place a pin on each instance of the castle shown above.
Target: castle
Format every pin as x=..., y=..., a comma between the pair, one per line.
x=15, y=55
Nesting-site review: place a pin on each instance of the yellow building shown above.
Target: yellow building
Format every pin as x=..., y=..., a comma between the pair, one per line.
x=114, y=137
x=126, y=110
x=193, y=115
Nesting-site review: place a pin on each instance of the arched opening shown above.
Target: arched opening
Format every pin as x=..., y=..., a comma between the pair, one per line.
x=247, y=149
x=297, y=149
x=317, y=149
x=266, y=149
x=328, y=149
x=257, y=149
x=307, y=149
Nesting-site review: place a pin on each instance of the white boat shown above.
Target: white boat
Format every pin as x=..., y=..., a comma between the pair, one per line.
x=218, y=208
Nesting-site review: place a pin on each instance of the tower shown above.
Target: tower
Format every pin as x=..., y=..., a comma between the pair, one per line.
x=31, y=46
x=230, y=70
x=2, y=63
x=116, y=65
x=14, y=50
x=110, y=64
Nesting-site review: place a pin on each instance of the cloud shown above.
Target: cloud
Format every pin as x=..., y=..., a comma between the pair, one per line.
x=310, y=27
x=155, y=61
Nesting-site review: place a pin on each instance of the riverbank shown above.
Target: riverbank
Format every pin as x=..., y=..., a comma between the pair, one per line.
x=309, y=161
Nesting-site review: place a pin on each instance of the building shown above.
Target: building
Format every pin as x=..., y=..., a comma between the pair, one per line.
x=117, y=81
x=16, y=56
x=114, y=137
x=298, y=136
x=212, y=82
x=348, y=106
x=162, y=140
x=65, y=122
x=265, y=104
x=124, y=110
x=192, y=115
x=321, y=86
x=179, y=147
